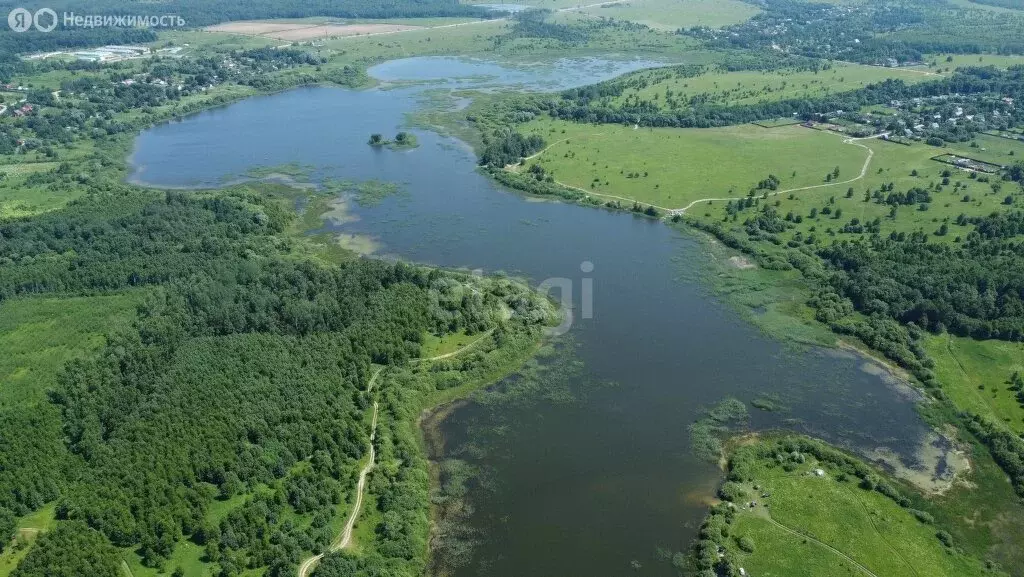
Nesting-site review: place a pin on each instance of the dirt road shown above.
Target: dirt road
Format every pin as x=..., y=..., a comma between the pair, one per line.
x=345, y=538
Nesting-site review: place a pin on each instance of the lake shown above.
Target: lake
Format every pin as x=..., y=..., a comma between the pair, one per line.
x=592, y=485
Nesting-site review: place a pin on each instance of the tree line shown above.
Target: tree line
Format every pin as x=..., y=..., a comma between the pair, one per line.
x=243, y=375
x=594, y=105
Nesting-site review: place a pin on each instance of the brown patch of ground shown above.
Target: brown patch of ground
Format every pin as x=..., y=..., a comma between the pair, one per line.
x=741, y=262
x=299, y=31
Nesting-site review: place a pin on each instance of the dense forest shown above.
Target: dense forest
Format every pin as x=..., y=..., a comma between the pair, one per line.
x=243, y=374
x=976, y=289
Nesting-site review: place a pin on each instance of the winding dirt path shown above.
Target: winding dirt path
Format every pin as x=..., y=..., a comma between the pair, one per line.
x=674, y=211
x=768, y=518
x=506, y=313
x=453, y=353
x=345, y=538
x=863, y=173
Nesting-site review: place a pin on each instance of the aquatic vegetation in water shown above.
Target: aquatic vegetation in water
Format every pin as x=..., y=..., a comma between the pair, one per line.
x=722, y=420
x=769, y=403
x=293, y=170
x=365, y=193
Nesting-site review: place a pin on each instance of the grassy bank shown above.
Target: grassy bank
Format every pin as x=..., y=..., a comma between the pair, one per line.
x=671, y=168
x=793, y=506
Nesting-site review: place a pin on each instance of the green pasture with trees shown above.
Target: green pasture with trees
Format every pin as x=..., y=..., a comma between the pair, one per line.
x=671, y=15
x=794, y=506
x=670, y=168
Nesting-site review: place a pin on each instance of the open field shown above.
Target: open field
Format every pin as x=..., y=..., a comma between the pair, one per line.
x=662, y=87
x=995, y=149
x=892, y=164
x=817, y=520
x=200, y=40
x=29, y=528
x=962, y=60
x=671, y=15
x=986, y=7
x=27, y=168
x=976, y=374
x=303, y=32
x=434, y=346
x=39, y=335
x=671, y=167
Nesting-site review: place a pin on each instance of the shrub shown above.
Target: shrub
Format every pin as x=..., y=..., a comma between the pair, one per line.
x=923, y=516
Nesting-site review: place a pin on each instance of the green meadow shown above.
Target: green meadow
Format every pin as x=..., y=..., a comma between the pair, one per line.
x=671, y=167
x=39, y=335
x=961, y=60
x=435, y=346
x=818, y=519
x=671, y=15
x=976, y=375
x=752, y=86
x=904, y=167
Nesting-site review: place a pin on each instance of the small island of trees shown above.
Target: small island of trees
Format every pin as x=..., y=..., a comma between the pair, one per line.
x=401, y=140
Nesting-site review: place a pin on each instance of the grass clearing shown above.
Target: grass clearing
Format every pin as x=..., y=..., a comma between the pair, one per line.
x=994, y=149
x=435, y=346
x=39, y=335
x=975, y=375
x=671, y=15
x=817, y=520
x=671, y=167
x=29, y=528
x=26, y=168
x=954, y=61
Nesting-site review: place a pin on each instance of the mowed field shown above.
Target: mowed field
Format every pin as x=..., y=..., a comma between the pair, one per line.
x=671, y=167
x=38, y=336
x=834, y=525
x=751, y=87
x=976, y=375
x=297, y=31
x=671, y=15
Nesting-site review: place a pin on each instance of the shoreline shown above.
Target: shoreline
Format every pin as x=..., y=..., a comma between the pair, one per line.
x=436, y=411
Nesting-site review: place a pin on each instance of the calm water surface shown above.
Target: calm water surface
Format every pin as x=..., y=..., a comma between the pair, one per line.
x=583, y=488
